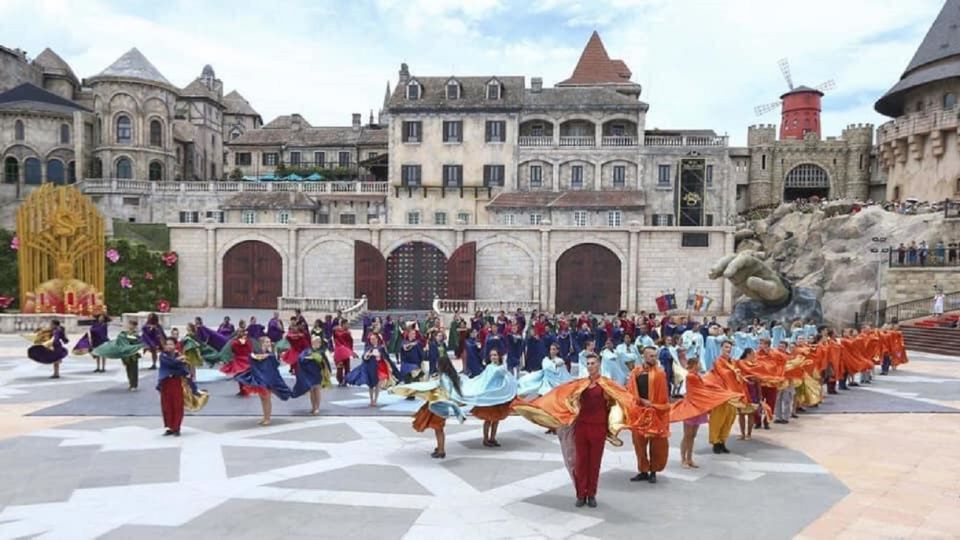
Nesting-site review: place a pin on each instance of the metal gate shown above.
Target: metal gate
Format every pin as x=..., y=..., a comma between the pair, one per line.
x=416, y=274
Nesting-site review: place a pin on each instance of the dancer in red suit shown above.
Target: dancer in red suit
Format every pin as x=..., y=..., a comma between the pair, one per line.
x=590, y=433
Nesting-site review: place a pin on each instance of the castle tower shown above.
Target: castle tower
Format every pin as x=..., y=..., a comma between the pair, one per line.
x=801, y=113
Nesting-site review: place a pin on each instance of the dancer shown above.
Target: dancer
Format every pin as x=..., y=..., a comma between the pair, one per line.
x=701, y=398
x=275, y=327
x=48, y=347
x=649, y=383
x=177, y=391
x=411, y=357
x=441, y=395
x=263, y=378
x=226, y=328
x=240, y=350
x=313, y=373
x=611, y=365
x=126, y=346
x=438, y=350
x=295, y=342
x=552, y=373
x=491, y=393
x=197, y=352
x=745, y=416
x=727, y=376
x=96, y=335
x=153, y=338
x=255, y=330
x=514, y=348
x=473, y=365
x=376, y=370
x=343, y=351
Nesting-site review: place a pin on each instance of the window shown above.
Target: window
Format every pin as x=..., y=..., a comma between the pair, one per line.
x=411, y=132
x=709, y=178
x=493, y=175
x=413, y=90
x=124, y=168
x=320, y=159
x=64, y=134
x=348, y=219
x=452, y=175
x=496, y=131
x=156, y=133
x=371, y=155
x=130, y=201
x=11, y=170
x=453, y=131
x=663, y=220
x=294, y=158
x=453, y=90
x=949, y=100
x=241, y=158
x=248, y=217
x=283, y=217
x=576, y=176
x=536, y=219
x=270, y=159
x=155, y=171
x=580, y=218
x=619, y=175
x=695, y=240
x=410, y=175
x=618, y=130
x=536, y=130
x=344, y=159
x=763, y=162
x=323, y=218
x=189, y=217
x=55, y=172
x=536, y=176
x=124, y=129
x=614, y=218
x=493, y=90
x=509, y=219
x=463, y=218
x=708, y=220
x=413, y=218
x=72, y=172
x=663, y=175
x=918, y=107
x=440, y=218
x=860, y=165
x=32, y=171
x=215, y=215
x=18, y=130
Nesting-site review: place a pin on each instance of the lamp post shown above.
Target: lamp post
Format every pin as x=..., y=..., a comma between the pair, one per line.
x=880, y=247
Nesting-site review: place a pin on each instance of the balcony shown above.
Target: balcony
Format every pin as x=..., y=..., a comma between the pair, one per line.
x=684, y=140
x=918, y=123
x=578, y=142
x=117, y=185
x=618, y=140
x=533, y=141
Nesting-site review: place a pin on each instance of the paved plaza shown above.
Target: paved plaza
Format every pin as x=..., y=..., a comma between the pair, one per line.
x=84, y=458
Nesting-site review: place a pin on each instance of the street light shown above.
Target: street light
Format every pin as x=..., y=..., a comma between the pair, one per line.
x=881, y=248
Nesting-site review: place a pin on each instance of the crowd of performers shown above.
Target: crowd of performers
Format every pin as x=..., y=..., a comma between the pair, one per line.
x=584, y=377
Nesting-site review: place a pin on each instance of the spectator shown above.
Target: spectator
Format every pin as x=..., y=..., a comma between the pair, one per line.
x=912, y=254
x=923, y=252
x=938, y=305
x=901, y=253
x=941, y=253
x=952, y=252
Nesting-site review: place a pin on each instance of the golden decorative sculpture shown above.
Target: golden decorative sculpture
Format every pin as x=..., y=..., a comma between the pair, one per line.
x=62, y=247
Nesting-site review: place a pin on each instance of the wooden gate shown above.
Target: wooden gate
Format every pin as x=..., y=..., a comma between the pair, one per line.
x=461, y=272
x=252, y=276
x=416, y=274
x=370, y=274
x=588, y=279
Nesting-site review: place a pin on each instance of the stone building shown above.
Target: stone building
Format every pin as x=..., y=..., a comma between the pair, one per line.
x=239, y=116
x=198, y=128
x=920, y=148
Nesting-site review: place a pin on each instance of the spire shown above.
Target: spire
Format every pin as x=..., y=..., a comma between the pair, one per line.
x=596, y=67
x=133, y=65
x=386, y=96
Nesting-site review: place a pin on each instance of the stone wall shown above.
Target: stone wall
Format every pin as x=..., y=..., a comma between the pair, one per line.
x=906, y=284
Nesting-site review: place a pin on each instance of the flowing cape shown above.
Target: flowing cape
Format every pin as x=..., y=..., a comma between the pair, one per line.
x=542, y=381
x=313, y=369
x=701, y=397
x=494, y=386
x=124, y=345
x=265, y=373
x=197, y=352
x=439, y=394
x=726, y=374
x=659, y=397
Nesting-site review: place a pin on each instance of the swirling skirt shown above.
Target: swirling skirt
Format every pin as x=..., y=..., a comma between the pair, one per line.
x=492, y=413
x=424, y=420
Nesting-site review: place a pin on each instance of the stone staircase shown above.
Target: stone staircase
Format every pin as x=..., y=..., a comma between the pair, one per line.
x=931, y=339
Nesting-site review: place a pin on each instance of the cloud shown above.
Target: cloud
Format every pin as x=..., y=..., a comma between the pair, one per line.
x=702, y=63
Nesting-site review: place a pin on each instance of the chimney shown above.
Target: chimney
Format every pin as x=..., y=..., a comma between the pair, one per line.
x=404, y=73
x=296, y=122
x=371, y=122
x=536, y=85
x=356, y=120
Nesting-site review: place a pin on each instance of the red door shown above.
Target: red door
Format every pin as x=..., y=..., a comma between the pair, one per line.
x=461, y=272
x=370, y=274
x=588, y=279
x=252, y=276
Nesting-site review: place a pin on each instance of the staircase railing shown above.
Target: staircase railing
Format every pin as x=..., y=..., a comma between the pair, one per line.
x=905, y=311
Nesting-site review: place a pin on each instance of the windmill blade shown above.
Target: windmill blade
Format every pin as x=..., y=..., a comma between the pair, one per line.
x=785, y=69
x=829, y=85
x=764, y=109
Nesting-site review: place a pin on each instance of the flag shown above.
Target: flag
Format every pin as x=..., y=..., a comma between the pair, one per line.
x=671, y=301
x=662, y=304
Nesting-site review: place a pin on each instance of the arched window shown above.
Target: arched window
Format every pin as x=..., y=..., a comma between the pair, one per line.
x=72, y=172
x=156, y=133
x=807, y=175
x=18, y=130
x=949, y=100
x=55, y=172
x=64, y=134
x=96, y=168
x=11, y=170
x=124, y=129
x=156, y=171
x=124, y=168
x=31, y=171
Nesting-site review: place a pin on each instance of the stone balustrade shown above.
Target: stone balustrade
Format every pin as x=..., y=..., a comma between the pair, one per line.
x=578, y=142
x=118, y=185
x=20, y=323
x=445, y=306
x=918, y=124
x=351, y=308
x=684, y=140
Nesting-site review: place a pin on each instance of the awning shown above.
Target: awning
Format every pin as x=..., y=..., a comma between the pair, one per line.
x=293, y=177
x=314, y=177
x=268, y=177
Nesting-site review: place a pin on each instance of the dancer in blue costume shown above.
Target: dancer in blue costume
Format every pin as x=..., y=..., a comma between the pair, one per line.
x=275, y=330
x=494, y=341
x=153, y=338
x=611, y=365
x=514, y=348
x=583, y=356
x=313, y=373
x=711, y=348
x=255, y=330
x=553, y=372
x=411, y=357
x=207, y=336
x=442, y=395
x=436, y=350
x=778, y=334
x=568, y=346
x=376, y=369
x=48, y=347
x=491, y=394
x=472, y=350
x=628, y=355
x=535, y=351
x=96, y=335
x=584, y=334
x=263, y=378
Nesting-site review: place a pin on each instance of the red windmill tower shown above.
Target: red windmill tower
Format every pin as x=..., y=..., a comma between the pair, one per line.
x=801, y=106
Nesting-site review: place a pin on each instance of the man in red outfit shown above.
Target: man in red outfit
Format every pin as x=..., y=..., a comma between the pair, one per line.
x=590, y=432
x=173, y=370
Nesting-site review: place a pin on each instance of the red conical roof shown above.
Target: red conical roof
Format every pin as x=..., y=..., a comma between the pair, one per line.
x=596, y=67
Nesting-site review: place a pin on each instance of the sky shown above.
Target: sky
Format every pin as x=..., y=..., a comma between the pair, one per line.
x=703, y=64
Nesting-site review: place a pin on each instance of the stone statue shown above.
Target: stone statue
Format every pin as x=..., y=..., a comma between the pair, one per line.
x=770, y=295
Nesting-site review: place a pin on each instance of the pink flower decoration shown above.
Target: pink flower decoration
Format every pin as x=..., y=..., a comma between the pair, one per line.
x=15, y=243
x=163, y=306
x=112, y=255
x=148, y=276
x=125, y=282
x=169, y=258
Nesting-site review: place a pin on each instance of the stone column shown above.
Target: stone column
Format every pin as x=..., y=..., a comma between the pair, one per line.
x=546, y=296
x=597, y=176
x=211, y=266
x=292, y=288
x=556, y=176
x=79, y=159
x=633, y=258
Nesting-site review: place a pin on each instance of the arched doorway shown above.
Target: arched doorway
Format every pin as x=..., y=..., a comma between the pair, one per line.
x=416, y=274
x=588, y=279
x=252, y=276
x=805, y=181
x=11, y=170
